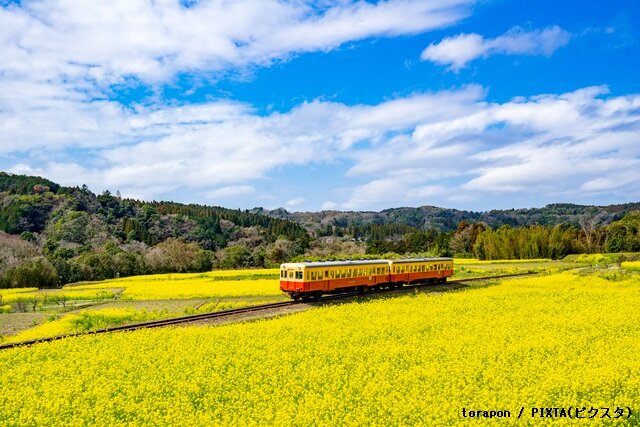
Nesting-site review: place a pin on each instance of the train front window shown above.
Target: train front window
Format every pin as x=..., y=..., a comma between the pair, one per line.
x=298, y=274
x=291, y=275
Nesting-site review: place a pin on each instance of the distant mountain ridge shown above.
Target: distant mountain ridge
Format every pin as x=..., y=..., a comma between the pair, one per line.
x=446, y=219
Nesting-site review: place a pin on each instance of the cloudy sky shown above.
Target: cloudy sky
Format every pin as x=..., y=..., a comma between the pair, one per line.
x=328, y=104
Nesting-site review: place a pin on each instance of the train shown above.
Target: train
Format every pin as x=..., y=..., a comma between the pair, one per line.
x=311, y=280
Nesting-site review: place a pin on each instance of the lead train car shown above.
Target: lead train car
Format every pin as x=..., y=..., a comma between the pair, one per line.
x=309, y=280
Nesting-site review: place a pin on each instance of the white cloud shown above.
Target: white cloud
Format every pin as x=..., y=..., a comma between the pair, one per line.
x=445, y=148
x=297, y=201
x=105, y=41
x=571, y=146
x=458, y=51
x=329, y=206
x=230, y=191
x=60, y=59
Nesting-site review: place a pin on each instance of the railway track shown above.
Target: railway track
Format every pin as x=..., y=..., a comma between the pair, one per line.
x=237, y=311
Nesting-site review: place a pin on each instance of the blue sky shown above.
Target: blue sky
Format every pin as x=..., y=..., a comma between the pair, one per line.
x=326, y=105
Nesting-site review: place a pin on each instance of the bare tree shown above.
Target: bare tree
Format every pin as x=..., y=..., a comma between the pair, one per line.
x=589, y=225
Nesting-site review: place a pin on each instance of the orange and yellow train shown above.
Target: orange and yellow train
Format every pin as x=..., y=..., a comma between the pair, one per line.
x=310, y=280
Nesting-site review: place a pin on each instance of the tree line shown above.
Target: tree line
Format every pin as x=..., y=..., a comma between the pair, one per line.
x=52, y=235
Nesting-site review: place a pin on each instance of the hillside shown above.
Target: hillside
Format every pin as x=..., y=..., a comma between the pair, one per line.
x=51, y=234
x=443, y=219
x=54, y=234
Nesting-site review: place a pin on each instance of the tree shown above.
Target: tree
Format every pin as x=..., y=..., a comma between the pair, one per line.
x=175, y=255
x=236, y=256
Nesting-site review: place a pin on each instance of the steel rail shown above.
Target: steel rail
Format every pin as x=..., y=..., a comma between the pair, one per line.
x=254, y=308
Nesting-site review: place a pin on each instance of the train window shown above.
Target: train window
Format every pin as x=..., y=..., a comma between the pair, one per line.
x=298, y=274
x=291, y=275
x=331, y=274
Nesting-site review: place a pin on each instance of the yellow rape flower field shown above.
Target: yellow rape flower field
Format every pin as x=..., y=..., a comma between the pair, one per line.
x=631, y=265
x=560, y=340
x=216, y=284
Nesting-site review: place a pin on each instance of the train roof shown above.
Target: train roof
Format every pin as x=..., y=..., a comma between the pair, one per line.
x=359, y=262
x=400, y=261
x=336, y=263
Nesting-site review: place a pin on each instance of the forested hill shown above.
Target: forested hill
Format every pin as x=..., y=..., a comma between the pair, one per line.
x=55, y=234
x=442, y=219
x=51, y=234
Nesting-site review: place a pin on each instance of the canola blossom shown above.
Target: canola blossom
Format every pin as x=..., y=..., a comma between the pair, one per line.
x=179, y=277
x=472, y=261
x=93, y=319
x=87, y=320
x=631, y=265
x=5, y=292
x=201, y=289
x=52, y=296
x=556, y=340
x=215, y=284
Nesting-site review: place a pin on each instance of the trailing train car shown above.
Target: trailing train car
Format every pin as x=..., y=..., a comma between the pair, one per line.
x=416, y=270
x=310, y=280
